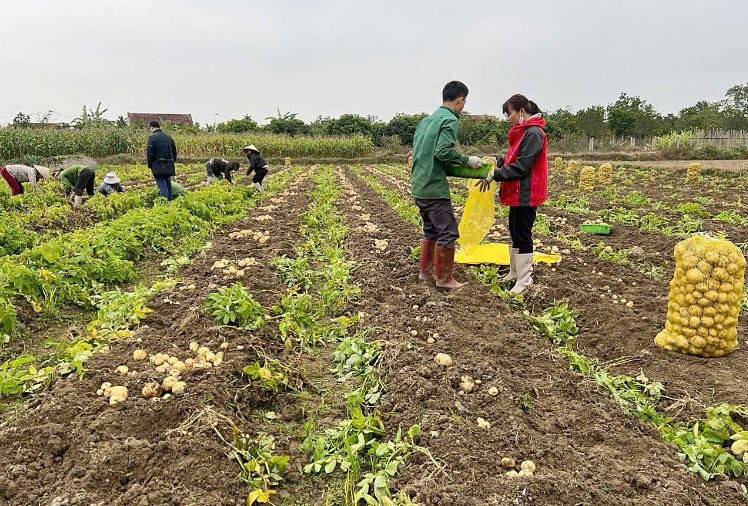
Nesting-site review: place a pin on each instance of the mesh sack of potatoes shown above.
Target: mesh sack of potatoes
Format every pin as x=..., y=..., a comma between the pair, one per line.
x=704, y=300
x=605, y=173
x=587, y=178
x=572, y=166
x=558, y=163
x=693, y=172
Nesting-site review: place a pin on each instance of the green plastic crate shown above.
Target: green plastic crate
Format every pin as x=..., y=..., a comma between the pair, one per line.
x=596, y=228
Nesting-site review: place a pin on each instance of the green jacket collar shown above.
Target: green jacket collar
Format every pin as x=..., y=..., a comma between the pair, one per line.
x=450, y=110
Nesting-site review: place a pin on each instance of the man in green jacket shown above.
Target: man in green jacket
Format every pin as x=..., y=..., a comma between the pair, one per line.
x=77, y=178
x=435, y=158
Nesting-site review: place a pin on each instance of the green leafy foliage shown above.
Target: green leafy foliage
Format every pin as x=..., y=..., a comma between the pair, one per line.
x=234, y=305
x=355, y=356
x=268, y=376
x=260, y=467
x=557, y=323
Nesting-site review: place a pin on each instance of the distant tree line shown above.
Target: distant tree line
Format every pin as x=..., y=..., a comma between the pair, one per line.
x=628, y=116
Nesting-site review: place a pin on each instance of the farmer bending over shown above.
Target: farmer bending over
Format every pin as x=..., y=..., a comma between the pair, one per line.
x=77, y=178
x=111, y=184
x=218, y=168
x=435, y=158
x=14, y=175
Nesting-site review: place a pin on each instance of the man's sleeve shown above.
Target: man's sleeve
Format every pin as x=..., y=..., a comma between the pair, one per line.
x=529, y=148
x=445, y=145
x=149, y=152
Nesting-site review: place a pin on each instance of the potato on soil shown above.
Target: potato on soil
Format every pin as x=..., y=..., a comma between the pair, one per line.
x=443, y=359
x=512, y=474
x=151, y=389
x=177, y=389
x=122, y=369
x=528, y=464
x=194, y=346
x=467, y=384
x=525, y=472
x=483, y=423
x=493, y=391
x=116, y=394
x=507, y=463
x=139, y=355
x=169, y=382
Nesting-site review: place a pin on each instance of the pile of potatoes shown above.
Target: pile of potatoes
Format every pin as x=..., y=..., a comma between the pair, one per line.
x=230, y=270
x=587, y=178
x=693, y=172
x=526, y=468
x=558, y=163
x=605, y=173
x=704, y=300
x=257, y=235
x=572, y=166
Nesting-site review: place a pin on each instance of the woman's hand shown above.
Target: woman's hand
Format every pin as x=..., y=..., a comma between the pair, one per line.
x=484, y=184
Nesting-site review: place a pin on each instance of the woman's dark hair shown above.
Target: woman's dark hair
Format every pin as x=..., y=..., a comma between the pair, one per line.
x=520, y=102
x=454, y=90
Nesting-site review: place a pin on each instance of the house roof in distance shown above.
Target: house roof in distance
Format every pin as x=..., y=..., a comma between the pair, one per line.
x=146, y=117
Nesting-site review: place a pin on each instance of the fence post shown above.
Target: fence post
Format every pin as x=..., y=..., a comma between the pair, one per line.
x=591, y=146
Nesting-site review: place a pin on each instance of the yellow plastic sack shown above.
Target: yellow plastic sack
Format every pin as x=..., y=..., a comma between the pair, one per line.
x=478, y=215
x=497, y=253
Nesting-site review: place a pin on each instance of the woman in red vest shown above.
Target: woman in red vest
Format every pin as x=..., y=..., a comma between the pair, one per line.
x=523, y=174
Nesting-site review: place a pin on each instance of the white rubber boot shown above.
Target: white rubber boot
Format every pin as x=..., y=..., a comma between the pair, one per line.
x=78, y=201
x=524, y=273
x=512, y=265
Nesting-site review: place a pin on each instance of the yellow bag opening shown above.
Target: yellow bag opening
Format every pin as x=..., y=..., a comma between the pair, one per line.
x=478, y=216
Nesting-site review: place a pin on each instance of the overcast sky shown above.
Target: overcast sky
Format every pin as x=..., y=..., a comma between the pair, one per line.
x=329, y=57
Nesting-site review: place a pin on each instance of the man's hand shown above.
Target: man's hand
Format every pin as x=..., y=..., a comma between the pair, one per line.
x=474, y=162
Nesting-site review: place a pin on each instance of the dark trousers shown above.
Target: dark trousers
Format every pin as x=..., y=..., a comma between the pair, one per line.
x=164, y=187
x=521, y=220
x=85, y=181
x=259, y=175
x=439, y=222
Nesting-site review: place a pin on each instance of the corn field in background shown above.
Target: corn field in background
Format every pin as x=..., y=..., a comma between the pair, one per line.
x=17, y=144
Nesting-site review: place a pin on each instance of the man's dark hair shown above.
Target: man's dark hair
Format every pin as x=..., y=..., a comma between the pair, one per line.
x=233, y=166
x=154, y=124
x=454, y=90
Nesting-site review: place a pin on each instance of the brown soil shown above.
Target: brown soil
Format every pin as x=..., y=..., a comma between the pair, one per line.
x=67, y=446
x=585, y=449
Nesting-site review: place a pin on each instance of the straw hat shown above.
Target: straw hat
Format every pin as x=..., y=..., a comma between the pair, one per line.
x=44, y=172
x=251, y=147
x=111, y=178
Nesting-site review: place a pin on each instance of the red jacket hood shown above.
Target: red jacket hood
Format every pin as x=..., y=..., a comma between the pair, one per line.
x=531, y=121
